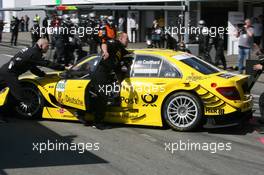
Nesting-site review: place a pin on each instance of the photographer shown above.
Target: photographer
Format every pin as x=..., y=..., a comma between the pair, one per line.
x=245, y=43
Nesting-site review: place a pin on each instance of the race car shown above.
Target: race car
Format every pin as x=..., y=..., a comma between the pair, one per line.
x=158, y=87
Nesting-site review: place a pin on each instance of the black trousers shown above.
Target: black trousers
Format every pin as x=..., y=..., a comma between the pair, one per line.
x=14, y=38
x=93, y=47
x=219, y=56
x=60, y=50
x=11, y=81
x=261, y=105
x=98, y=85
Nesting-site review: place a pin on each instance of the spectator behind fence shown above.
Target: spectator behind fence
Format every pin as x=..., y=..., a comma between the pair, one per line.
x=45, y=26
x=2, y=24
x=14, y=30
x=37, y=18
x=27, y=22
x=22, y=24
x=133, y=27
x=156, y=34
x=121, y=24
x=258, y=29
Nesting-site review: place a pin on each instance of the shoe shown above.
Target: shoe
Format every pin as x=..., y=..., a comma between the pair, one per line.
x=2, y=120
x=80, y=116
x=261, y=121
x=101, y=126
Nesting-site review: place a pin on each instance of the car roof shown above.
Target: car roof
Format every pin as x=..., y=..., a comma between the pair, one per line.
x=160, y=52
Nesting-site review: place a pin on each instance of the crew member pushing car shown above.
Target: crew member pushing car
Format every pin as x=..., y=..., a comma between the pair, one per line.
x=25, y=60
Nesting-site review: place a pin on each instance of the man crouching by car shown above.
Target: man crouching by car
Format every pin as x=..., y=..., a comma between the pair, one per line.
x=113, y=51
x=260, y=67
x=26, y=60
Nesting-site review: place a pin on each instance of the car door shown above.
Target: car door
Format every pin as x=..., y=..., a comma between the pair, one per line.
x=144, y=90
x=72, y=90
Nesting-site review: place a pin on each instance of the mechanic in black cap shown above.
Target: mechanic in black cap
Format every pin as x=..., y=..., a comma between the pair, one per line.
x=113, y=52
x=26, y=60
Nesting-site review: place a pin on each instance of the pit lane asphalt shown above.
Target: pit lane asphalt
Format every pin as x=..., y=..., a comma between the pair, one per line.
x=126, y=149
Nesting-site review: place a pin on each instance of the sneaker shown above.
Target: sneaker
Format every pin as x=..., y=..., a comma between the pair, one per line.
x=80, y=117
x=2, y=120
x=261, y=120
x=101, y=126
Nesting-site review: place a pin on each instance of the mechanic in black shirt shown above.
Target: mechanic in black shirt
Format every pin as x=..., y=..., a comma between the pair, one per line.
x=26, y=60
x=260, y=68
x=113, y=52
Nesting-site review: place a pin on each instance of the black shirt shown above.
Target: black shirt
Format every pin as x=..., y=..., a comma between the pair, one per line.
x=27, y=60
x=116, y=52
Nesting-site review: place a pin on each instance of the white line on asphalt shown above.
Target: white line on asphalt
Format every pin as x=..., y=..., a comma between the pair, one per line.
x=149, y=137
x=7, y=55
x=255, y=96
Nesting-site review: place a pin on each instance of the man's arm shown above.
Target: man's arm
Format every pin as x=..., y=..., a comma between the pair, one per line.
x=38, y=72
x=237, y=32
x=48, y=64
x=250, y=32
x=105, y=53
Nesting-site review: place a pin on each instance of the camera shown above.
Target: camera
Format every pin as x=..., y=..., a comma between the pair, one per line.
x=241, y=27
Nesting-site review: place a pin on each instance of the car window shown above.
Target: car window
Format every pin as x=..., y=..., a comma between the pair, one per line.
x=85, y=69
x=88, y=65
x=146, y=66
x=127, y=63
x=169, y=71
x=198, y=64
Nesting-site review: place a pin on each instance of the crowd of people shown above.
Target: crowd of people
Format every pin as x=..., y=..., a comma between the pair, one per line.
x=20, y=25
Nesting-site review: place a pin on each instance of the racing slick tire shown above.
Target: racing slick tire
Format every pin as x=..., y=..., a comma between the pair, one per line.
x=183, y=111
x=33, y=105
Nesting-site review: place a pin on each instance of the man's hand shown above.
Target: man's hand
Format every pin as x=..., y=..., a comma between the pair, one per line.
x=68, y=67
x=105, y=55
x=258, y=67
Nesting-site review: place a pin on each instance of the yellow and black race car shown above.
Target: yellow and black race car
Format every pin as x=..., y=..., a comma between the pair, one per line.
x=159, y=87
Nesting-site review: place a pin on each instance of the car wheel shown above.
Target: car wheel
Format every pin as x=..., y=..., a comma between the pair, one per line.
x=182, y=111
x=33, y=104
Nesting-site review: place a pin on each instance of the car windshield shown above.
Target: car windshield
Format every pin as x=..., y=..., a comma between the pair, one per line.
x=198, y=64
x=87, y=64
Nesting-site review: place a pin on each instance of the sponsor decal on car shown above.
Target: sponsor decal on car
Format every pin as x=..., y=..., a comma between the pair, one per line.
x=73, y=100
x=60, y=99
x=194, y=77
x=215, y=111
x=130, y=101
x=61, y=110
x=61, y=86
x=227, y=75
x=148, y=62
x=149, y=99
x=132, y=116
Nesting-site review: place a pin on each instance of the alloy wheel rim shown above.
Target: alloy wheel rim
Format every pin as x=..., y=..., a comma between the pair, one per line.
x=182, y=111
x=30, y=105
